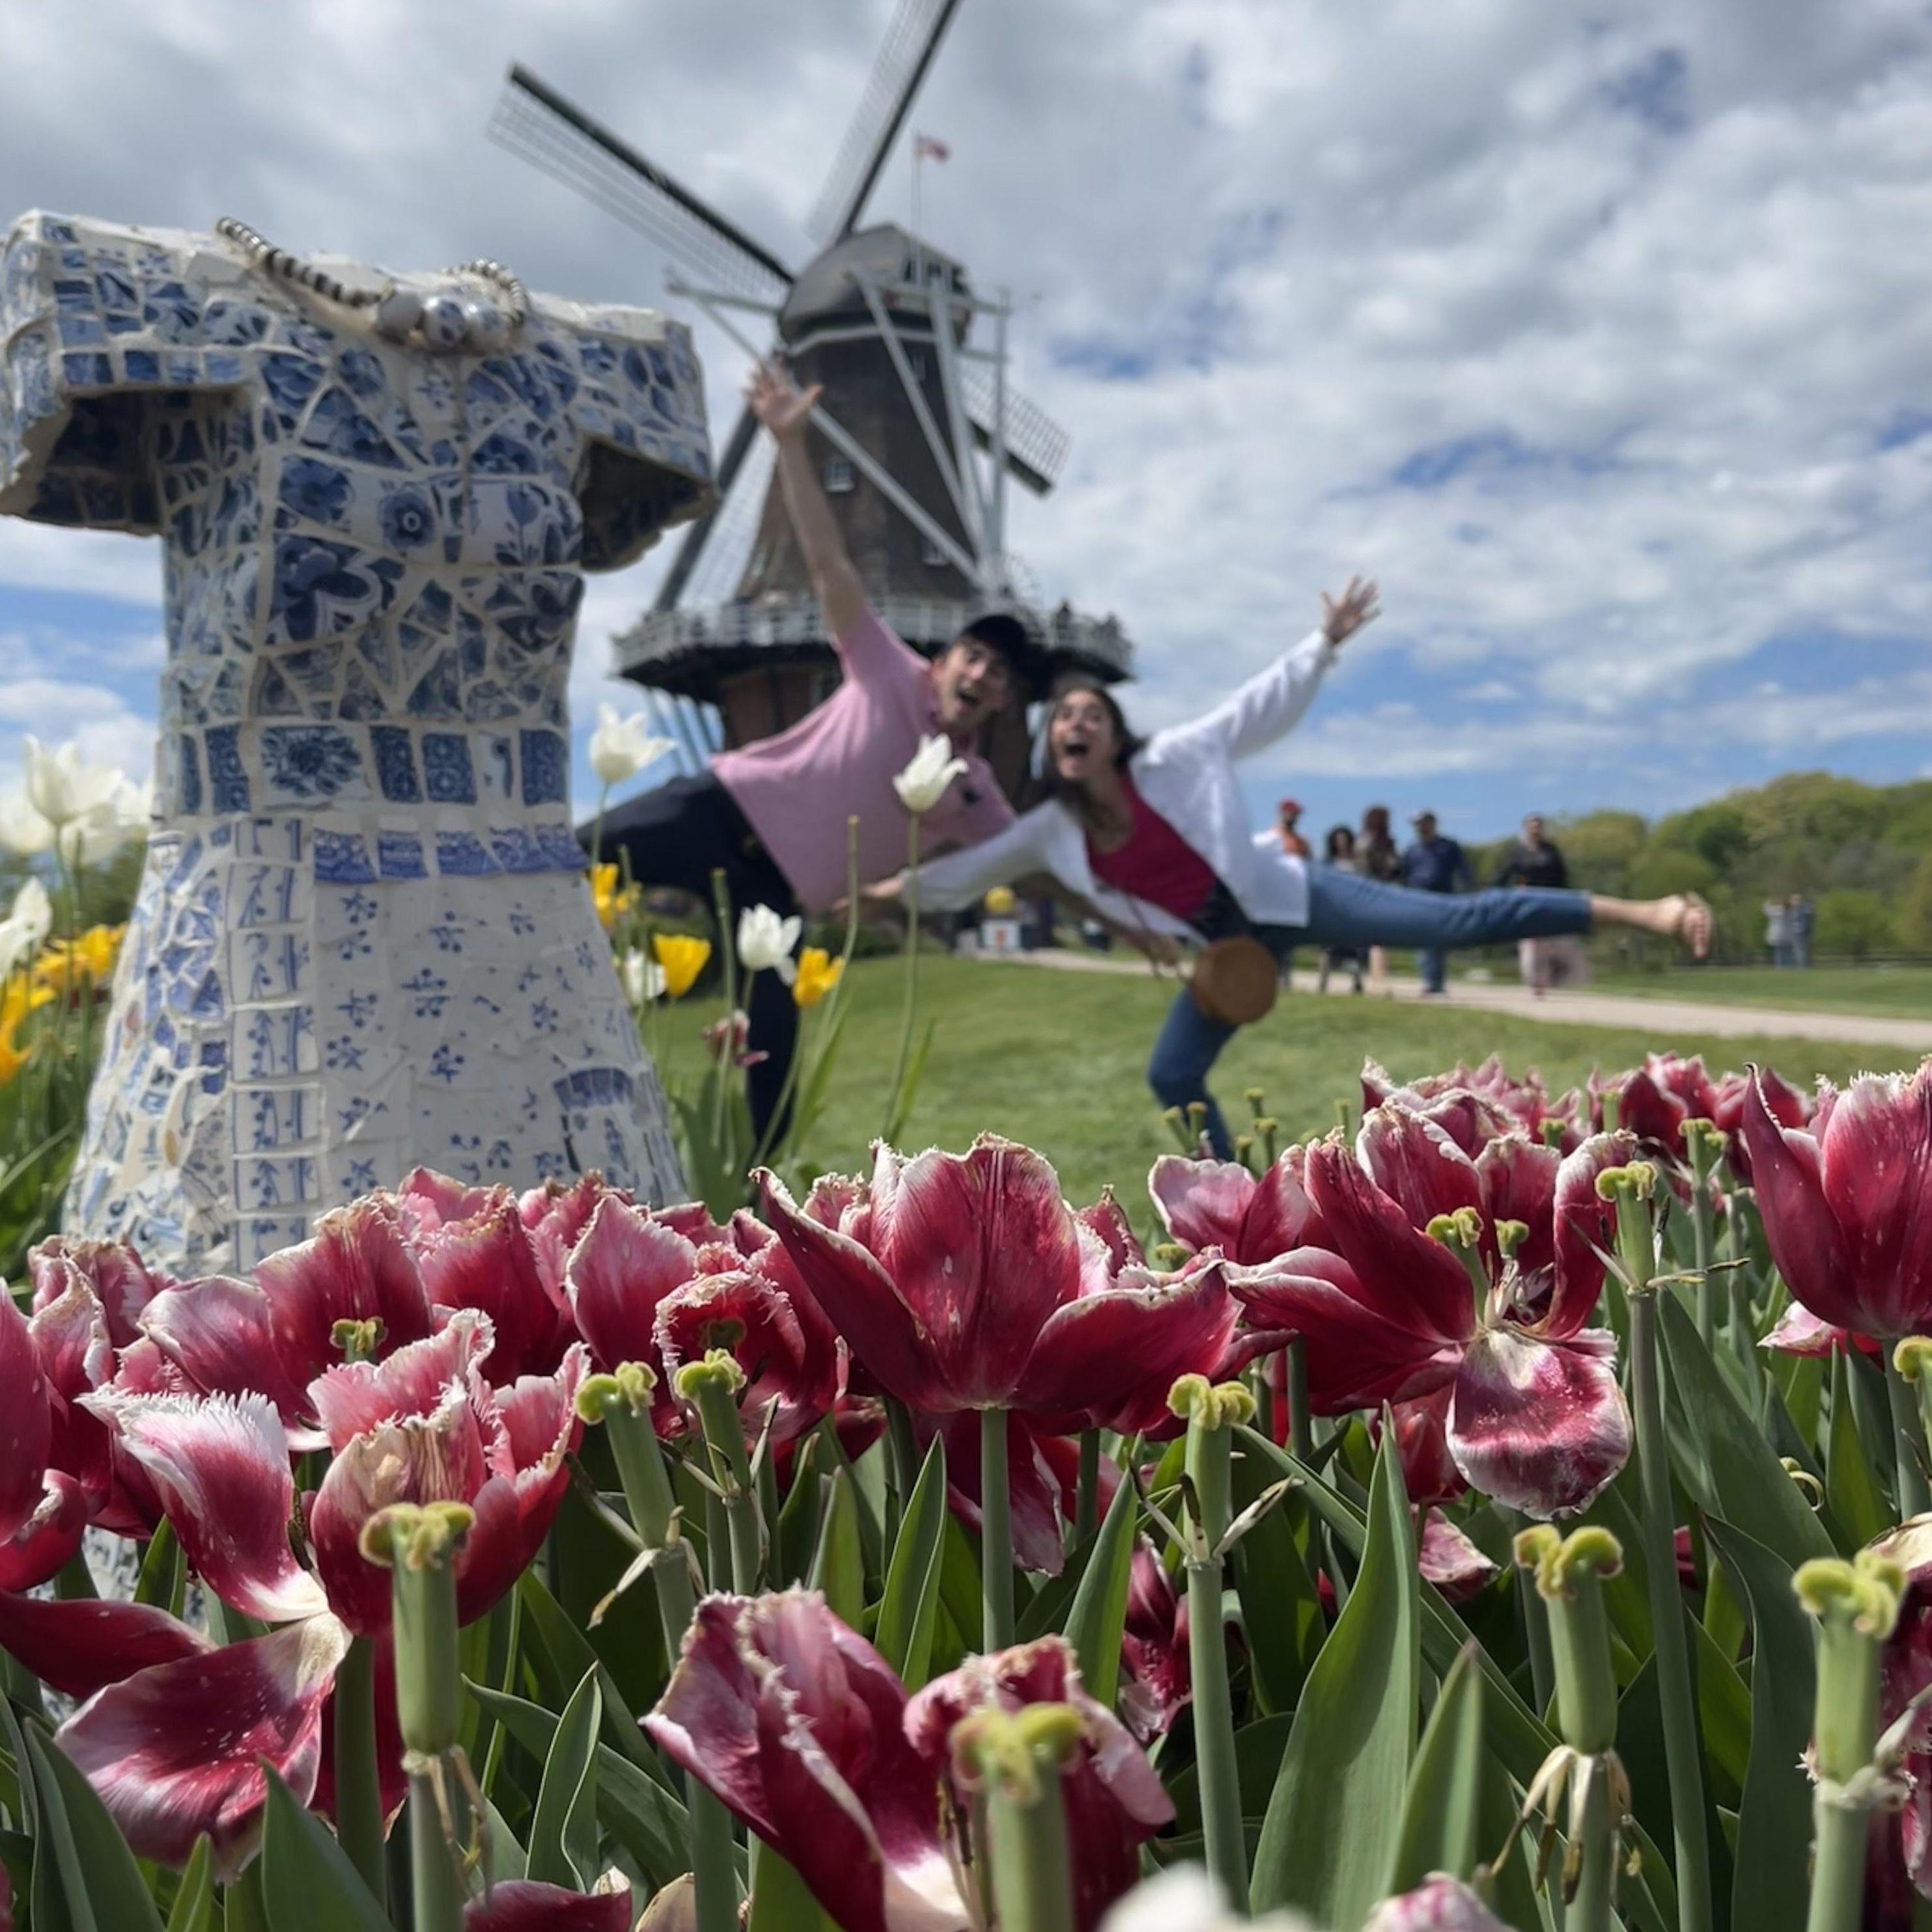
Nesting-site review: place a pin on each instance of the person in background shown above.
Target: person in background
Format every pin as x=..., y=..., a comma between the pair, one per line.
x=1533, y=860
x=1434, y=863
x=1376, y=858
x=1338, y=850
x=1288, y=815
x=1778, y=931
x=1800, y=908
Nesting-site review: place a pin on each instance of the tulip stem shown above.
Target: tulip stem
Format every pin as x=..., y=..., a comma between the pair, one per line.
x=1032, y=1877
x=711, y=1387
x=902, y=1459
x=1675, y=1691
x=727, y=954
x=996, y=1536
x=436, y=1887
x=359, y=1797
x=893, y=1099
x=1086, y=1496
x=652, y=1503
x=1536, y=1635
x=1914, y=1498
x=1300, y=1424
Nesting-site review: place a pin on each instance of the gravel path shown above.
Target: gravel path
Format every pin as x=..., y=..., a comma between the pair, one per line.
x=1581, y=1007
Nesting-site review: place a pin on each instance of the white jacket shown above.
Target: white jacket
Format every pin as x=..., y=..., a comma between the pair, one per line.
x=1187, y=776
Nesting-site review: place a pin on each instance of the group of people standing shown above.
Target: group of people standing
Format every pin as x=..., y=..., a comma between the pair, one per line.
x=1148, y=835
x=1432, y=861
x=1787, y=930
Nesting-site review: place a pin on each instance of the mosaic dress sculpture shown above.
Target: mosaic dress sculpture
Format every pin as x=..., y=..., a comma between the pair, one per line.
x=363, y=938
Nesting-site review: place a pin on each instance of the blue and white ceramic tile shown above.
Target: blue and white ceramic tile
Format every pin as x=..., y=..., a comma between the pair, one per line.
x=363, y=939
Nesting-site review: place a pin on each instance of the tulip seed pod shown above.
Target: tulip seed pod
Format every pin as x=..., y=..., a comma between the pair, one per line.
x=1568, y=1573
x=1016, y=1757
x=417, y=1544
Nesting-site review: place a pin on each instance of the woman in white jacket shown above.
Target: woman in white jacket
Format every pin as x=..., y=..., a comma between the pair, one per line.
x=1153, y=832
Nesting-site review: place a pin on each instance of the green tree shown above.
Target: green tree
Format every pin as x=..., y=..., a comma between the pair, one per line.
x=1914, y=912
x=1853, y=922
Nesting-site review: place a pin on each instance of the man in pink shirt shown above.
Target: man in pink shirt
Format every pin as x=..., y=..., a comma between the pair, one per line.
x=771, y=814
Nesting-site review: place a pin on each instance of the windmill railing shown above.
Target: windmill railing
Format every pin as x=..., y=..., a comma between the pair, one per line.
x=663, y=640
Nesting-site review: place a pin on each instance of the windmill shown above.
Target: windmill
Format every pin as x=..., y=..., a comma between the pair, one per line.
x=916, y=439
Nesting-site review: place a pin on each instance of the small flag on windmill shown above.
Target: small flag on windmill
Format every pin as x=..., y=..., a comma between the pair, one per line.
x=930, y=147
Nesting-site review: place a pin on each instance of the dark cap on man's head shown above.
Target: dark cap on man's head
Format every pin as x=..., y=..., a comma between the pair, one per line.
x=1010, y=634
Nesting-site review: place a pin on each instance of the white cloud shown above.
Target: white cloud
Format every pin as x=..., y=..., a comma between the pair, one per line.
x=1648, y=288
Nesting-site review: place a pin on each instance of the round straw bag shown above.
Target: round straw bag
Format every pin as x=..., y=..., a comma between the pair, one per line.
x=1234, y=981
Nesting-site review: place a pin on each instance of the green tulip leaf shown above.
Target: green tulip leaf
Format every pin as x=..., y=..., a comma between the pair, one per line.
x=194, y=1898
x=838, y=1564
x=1281, y=1614
x=563, y=1830
x=1730, y=1470
x=911, y=1600
x=1442, y=1812
x=1329, y=1841
x=307, y=1882
x=85, y=1877
x=1769, y=1891
x=1851, y=1492
x=1099, y=1614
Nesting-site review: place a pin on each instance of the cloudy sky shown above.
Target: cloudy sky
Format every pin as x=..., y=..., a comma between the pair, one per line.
x=1598, y=334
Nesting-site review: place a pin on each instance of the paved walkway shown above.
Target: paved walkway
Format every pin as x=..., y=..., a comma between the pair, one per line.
x=1581, y=1007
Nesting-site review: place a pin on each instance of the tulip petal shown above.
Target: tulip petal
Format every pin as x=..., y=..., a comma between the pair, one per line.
x=113, y=1269
x=1803, y=1234
x=80, y=1645
x=1107, y=1222
x=1358, y=1355
x=1875, y=1155
x=1428, y=1471
x=1281, y=1217
x=176, y=1749
x=351, y=1400
x=1585, y=1229
x=556, y=1217
x=220, y=1333
x=485, y=1263
x=522, y=1905
x=1798, y=1332
x=1540, y=1426
x=431, y=1200
x=1414, y=1282
x=26, y=1422
x=1519, y=1182
x=221, y=1466
x=1038, y=1501
x=756, y=1323
x=1439, y=1904
x=70, y=1337
x=858, y=1297
x=1101, y=1353
x=42, y=1546
x=624, y=1263
x=1416, y=1164
x=1202, y=1203
x=356, y=1268
x=1449, y=1560
x=795, y=1723
x=981, y=1249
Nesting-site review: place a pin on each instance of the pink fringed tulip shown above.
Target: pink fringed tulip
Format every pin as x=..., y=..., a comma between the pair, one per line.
x=1788, y=1107
x=1114, y=1799
x=1906, y=1673
x=965, y=1281
x=796, y=1724
x=521, y=1905
x=1847, y=1205
x=1439, y=1904
x=1219, y=1204
x=1156, y=1677
x=1389, y=1313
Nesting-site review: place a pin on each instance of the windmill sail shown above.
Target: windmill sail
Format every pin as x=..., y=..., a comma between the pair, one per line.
x=1037, y=445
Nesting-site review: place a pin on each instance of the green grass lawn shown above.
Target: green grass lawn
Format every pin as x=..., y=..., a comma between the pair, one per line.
x=1055, y=1059
x=1899, y=992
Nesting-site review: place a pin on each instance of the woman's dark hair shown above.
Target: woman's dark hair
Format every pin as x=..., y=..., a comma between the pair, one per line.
x=1128, y=741
x=1341, y=839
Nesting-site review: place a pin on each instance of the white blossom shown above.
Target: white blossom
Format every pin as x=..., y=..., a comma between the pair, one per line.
x=622, y=746
x=923, y=782
x=642, y=977
x=25, y=927
x=766, y=940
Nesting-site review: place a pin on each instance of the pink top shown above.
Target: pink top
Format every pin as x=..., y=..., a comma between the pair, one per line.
x=1156, y=864
x=839, y=760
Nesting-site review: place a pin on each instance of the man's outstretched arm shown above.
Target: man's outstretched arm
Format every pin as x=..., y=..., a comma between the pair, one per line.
x=786, y=411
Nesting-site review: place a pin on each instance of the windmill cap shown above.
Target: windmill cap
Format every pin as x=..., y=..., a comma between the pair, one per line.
x=1012, y=636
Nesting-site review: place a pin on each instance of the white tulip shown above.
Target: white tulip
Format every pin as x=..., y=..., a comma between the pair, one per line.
x=61, y=786
x=642, y=977
x=923, y=782
x=22, y=829
x=766, y=940
x=621, y=747
x=1185, y=1899
x=25, y=928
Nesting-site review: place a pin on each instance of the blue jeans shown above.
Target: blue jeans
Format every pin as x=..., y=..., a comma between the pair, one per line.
x=1345, y=910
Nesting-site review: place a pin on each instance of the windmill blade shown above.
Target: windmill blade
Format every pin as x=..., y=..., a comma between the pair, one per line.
x=743, y=434
x=533, y=120
x=1037, y=445
x=911, y=40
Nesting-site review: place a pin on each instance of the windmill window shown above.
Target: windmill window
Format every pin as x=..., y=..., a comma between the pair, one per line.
x=838, y=478
x=929, y=552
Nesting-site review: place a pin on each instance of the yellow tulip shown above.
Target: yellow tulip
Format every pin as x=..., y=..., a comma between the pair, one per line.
x=21, y=998
x=611, y=901
x=818, y=974
x=64, y=963
x=682, y=958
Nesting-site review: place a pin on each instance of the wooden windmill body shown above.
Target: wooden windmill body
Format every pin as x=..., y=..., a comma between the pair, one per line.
x=916, y=439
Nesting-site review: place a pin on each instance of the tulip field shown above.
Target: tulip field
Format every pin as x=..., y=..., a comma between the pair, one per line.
x=1508, y=1509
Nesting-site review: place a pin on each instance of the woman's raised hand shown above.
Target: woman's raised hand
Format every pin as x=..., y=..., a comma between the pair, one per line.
x=1343, y=616
x=778, y=402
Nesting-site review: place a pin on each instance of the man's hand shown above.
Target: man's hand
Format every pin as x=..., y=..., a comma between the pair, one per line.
x=1159, y=949
x=778, y=402
x=1343, y=616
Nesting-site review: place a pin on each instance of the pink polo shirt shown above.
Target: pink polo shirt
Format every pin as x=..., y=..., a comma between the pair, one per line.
x=839, y=761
